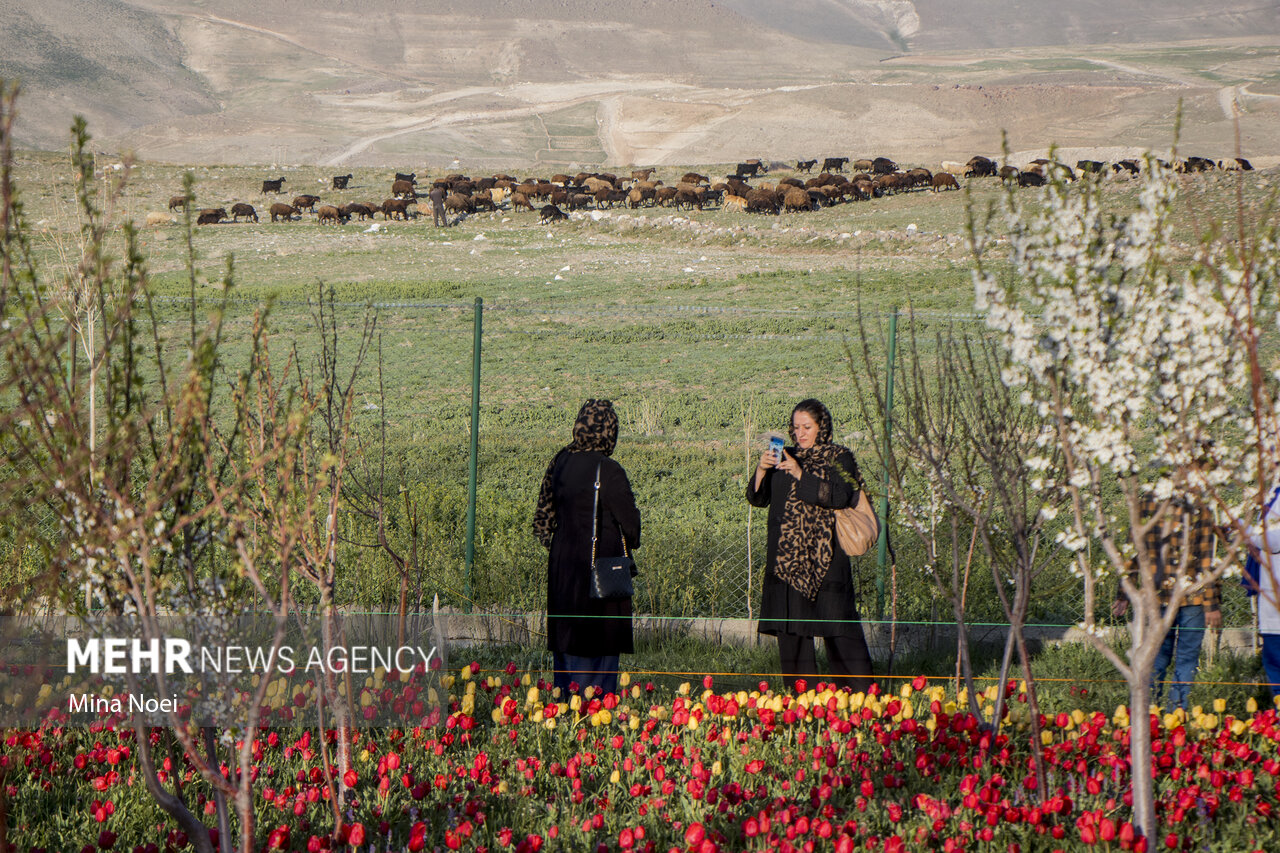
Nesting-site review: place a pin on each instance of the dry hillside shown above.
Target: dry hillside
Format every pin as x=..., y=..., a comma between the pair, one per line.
x=562, y=83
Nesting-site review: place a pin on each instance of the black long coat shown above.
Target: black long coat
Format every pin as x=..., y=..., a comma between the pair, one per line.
x=568, y=568
x=783, y=610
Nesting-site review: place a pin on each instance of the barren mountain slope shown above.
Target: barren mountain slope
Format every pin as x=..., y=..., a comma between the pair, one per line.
x=585, y=82
x=117, y=65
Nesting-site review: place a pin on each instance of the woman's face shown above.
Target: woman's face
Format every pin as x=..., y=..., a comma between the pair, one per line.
x=805, y=429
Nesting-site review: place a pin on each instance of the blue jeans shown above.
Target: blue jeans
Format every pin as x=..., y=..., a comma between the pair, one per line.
x=598, y=672
x=1182, y=647
x=1271, y=661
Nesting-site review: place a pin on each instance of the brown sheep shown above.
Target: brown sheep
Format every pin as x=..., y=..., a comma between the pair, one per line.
x=695, y=178
x=806, y=165
x=411, y=177
x=519, y=200
x=551, y=213
x=638, y=196
x=395, y=208
x=578, y=201
x=834, y=164
x=688, y=199
x=178, y=201
x=944, y=181
x=275, y=185
x=483, y=200
x=340, y=181
x=306, y=202
x=641, y=174
x=241, y=209
x=403, y=189
x=763, y=201
x=883, y=166
x=211, y=216
x=359, y=209
x=981, y=167
x=863, y=165
x=279, y=210
x=662, y=195
x=796, y=199
x=459, y=203
x=329, y=213
x=919, y=177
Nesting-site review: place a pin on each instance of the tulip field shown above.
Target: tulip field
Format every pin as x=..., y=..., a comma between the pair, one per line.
x=507, y=765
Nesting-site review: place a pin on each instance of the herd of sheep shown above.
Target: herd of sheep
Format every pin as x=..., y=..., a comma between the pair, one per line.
x=461, y=195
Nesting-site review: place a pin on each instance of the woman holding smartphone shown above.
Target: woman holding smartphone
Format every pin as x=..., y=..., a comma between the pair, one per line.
x=808, y=588
x=586, y=635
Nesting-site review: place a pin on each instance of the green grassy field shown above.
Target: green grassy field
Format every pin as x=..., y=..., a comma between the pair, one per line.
x=703, y=327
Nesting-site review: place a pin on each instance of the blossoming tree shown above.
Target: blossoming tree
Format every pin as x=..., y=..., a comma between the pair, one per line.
x=1136, y=354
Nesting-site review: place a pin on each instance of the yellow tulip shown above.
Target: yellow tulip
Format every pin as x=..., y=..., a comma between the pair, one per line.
x=624, y=679
x=615, y=777
x=1251, y=706
x=1219, y=705
x=1046, y=737
x=606, y=716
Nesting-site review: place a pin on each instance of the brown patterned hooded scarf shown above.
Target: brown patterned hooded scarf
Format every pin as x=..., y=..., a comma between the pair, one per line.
x=804, y=543
x=595, y=429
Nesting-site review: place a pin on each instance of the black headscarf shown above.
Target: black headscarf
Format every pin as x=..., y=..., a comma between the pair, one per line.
x=804, y=545
x=596, y=429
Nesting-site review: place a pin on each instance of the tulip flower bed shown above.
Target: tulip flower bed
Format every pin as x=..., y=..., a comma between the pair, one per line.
x=512, y=768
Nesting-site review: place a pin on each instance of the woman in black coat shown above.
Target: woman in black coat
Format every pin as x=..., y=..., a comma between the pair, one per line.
x=808, y=588
x=586, y=635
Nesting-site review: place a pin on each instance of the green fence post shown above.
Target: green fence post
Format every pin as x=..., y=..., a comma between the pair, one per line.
x=475, y=442
x=882, y=547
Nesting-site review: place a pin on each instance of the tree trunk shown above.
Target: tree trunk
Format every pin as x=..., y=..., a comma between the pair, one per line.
x=1143, y=785
x=219, y=797
x=170, y=803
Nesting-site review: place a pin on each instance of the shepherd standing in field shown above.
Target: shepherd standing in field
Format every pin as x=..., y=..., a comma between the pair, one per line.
x=438, y=216
x=586, y=635
x=808, y=587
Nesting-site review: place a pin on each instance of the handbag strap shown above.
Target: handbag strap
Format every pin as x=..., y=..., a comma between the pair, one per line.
x=595, y=519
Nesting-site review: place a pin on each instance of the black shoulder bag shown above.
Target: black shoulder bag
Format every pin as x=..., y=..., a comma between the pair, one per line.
x=610, y=576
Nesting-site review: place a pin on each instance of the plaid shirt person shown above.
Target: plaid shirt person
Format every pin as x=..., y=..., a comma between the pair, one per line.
x=1185, y=531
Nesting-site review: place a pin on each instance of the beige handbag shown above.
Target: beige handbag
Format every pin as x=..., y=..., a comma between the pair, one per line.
x=857, y=527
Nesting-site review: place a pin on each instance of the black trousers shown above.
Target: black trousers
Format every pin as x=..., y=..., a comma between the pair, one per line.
x=848, y=655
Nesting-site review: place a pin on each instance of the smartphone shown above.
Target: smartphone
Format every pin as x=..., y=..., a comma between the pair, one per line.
x=776, y=443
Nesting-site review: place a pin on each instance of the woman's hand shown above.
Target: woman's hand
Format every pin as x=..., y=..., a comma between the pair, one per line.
x=767, y=461
x=789, y=465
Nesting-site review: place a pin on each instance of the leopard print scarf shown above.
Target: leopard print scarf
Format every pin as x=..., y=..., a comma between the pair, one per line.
x=804, y=542
x=595, y=429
